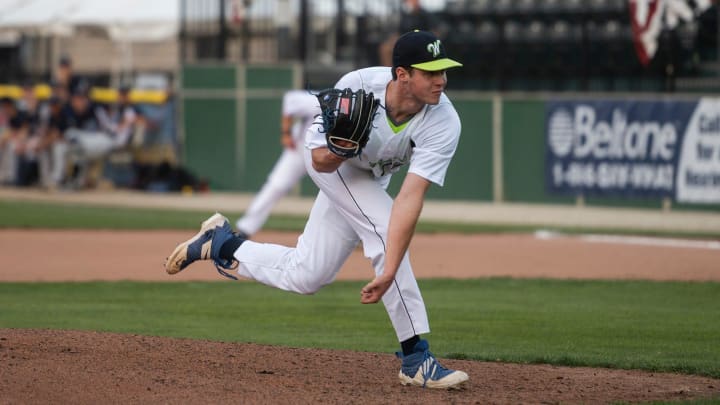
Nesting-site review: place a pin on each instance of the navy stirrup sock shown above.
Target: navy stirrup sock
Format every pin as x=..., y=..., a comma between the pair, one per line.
x=408, y=345
x=227, y=250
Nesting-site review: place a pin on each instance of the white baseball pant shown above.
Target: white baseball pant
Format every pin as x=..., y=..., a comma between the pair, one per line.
x=352, y=206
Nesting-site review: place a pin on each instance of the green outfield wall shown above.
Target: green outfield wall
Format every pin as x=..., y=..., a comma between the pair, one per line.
x=230, y=118
x=230, y=129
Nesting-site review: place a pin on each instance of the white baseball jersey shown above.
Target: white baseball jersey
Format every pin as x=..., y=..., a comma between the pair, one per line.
x=428, y=141
x=304, y=107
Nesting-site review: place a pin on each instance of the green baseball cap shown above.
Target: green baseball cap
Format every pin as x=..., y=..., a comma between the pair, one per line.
x=421, y=50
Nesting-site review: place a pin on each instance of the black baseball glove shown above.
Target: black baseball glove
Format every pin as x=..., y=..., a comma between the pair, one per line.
x=347, y=119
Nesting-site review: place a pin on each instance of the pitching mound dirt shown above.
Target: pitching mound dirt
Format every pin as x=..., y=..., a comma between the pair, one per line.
x=69, y=367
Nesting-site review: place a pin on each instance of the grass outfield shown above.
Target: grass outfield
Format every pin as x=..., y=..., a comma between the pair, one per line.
x=656, y=326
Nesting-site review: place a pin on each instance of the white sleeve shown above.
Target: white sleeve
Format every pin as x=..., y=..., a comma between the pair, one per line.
x=106, y=124
x=435, y=145
x=300, y=103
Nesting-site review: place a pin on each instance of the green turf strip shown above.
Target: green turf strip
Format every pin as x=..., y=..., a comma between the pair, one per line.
x=44, y=215
x=657, y=326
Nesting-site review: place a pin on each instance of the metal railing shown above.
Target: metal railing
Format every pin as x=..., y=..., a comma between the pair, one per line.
x=313, y=31
x=493, y=38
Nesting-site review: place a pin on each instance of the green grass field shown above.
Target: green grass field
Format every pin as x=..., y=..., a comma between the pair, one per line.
x=657, y=326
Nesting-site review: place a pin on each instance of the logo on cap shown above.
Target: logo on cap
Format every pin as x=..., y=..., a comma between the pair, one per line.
x=434, y=48
x=421, y=50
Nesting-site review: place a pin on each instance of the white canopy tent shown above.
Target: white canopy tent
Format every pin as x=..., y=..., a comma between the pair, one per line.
x=103, y=34
x=126, y=20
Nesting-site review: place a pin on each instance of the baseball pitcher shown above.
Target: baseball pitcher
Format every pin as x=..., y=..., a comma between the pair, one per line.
x=374, y=121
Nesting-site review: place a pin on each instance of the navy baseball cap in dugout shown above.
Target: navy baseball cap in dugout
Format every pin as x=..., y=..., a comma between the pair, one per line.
x=421, y=50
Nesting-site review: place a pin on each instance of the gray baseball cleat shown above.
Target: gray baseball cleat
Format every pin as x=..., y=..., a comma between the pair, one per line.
x=421, y=368
x=205, y=245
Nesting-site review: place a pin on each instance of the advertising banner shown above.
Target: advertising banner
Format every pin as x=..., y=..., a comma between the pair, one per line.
x=634, y=148
x=698, y=172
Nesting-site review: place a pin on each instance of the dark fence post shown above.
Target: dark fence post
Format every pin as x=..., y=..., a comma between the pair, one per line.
x=183, y=30
x=223, y=32
x=302, y=54
x=340, y=29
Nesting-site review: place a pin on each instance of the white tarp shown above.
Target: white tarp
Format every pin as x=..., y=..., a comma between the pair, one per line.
x=36, y=17
x=126, y=20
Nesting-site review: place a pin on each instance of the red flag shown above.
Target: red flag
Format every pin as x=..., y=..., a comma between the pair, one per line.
x=646, y=19
x=650, y=17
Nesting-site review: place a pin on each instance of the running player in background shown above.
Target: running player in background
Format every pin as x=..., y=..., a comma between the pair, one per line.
x=299, y=109
x=419, y=127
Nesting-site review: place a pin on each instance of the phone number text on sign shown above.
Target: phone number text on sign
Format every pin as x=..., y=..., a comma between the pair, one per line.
x=608, y=176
